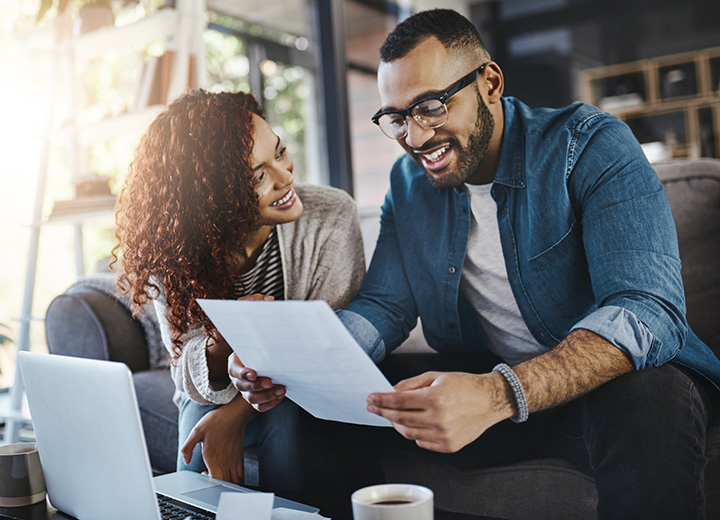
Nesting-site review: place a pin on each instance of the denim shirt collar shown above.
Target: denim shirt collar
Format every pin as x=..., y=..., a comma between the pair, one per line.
x=510, y=169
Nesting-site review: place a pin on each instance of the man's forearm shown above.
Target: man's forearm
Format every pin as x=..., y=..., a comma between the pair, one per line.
x=582, y=362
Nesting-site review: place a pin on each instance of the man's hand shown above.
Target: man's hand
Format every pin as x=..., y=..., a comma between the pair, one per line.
x=260, y=392
x=222, y=433
x=445, y=411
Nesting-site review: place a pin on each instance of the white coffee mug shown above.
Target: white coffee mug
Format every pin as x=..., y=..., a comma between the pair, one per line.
x=393, y=502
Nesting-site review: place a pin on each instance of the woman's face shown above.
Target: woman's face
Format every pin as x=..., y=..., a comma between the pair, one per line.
x=278, y=202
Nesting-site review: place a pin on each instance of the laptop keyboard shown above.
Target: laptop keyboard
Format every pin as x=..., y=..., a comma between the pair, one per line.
x=171, y=509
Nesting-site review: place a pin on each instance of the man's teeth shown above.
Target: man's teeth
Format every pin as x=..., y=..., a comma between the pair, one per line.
x=282, y=201
x=432, y=157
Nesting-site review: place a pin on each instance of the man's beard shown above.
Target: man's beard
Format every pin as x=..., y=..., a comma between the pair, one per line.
x=470, y=157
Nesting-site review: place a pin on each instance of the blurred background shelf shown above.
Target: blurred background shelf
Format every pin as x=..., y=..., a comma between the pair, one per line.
x=107, y=128
x=161, y=24
x=85, y=207
x=671, y=101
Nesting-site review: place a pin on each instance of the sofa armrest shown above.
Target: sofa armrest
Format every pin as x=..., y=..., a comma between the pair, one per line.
x=86, y=322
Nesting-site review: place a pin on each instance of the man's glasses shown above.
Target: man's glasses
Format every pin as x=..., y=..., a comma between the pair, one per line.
x=429, y=112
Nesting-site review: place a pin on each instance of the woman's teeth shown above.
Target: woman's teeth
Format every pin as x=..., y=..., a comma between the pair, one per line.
x=432, y=157
x=282, y=201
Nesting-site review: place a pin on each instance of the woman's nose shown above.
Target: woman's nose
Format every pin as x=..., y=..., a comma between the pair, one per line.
x=282, y=177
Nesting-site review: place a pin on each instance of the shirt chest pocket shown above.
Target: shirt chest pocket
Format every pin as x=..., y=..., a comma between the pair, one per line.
x=561, y=275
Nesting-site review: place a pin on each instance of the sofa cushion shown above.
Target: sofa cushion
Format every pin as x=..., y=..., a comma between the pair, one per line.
x=538, y=489
x=693, y=189
x=712, y=473
x=86, y=322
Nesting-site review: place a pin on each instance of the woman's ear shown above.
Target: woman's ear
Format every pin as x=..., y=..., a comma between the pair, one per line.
x=494, y=81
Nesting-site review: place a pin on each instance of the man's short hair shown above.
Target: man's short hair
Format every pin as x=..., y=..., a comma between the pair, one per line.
x=450, y=27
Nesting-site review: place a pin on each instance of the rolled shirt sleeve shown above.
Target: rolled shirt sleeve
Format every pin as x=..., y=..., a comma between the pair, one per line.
x=623, y=329
x=364, y=333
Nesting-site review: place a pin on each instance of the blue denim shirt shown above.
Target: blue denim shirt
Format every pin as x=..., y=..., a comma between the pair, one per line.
x=588, y=239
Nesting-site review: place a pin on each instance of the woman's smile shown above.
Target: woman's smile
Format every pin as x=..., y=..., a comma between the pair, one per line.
x=286, y=201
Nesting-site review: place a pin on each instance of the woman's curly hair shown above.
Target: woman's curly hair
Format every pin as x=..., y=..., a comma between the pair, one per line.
x=188, y=204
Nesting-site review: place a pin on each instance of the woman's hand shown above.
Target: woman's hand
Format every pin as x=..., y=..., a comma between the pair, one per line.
x=259, y=391
x=222, y=434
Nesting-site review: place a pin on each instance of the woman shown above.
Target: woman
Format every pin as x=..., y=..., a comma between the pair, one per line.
x=209, y=210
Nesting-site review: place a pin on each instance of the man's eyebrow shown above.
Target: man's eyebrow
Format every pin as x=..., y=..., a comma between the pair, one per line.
x=277, y=145
x=419, y=97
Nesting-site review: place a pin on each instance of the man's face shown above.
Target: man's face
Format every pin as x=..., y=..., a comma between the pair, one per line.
x=452, y=153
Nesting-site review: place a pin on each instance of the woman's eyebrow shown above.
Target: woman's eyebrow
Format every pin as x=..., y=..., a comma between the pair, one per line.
x=277, y=145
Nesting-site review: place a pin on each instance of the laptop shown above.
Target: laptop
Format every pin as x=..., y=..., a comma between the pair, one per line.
x=92, y=446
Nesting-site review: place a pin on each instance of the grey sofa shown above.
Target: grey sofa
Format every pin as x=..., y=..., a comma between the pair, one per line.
x=89, y=323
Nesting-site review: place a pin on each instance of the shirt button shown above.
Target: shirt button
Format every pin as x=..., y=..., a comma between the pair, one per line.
x=463, y=211
x=451, y=270
x=451, y=326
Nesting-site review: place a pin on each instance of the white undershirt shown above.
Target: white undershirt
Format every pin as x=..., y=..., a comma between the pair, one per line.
x=484, y=283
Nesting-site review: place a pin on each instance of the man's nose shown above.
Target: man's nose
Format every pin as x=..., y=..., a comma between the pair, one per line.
x=417, y=135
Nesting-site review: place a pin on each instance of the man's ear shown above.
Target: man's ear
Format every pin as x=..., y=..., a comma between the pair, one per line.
x=494, y=81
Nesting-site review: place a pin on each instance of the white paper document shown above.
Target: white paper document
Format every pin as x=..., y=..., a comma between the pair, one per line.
x=257, y=506
x=281, y=513
x=304, y=346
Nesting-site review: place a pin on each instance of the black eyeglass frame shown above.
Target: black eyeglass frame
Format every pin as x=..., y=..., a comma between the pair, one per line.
x=451, y=91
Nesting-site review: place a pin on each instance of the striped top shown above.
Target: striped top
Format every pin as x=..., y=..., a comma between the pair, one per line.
x=266, y=276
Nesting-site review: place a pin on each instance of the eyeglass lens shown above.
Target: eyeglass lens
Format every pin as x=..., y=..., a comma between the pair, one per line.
x=431, y=113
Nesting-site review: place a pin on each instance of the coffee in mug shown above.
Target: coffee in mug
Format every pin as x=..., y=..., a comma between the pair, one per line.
x=393, y=502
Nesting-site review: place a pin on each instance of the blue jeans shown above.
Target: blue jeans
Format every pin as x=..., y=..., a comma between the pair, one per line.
x=641, y=437
x=276, y=434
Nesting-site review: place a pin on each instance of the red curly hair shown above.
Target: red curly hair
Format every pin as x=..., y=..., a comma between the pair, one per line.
x=188, y=205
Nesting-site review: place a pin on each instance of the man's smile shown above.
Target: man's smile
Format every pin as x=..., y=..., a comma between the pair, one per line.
x=436, y=158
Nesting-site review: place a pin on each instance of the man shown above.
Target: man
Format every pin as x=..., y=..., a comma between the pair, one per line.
x=544, y=237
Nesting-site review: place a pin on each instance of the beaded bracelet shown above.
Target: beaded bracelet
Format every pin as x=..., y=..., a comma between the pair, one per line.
x=512, y=379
